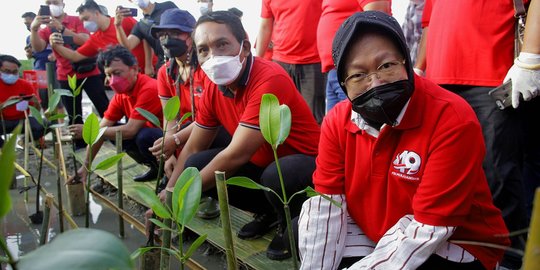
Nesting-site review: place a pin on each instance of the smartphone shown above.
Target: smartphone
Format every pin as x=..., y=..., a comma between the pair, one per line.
x=502, y=95
x=68, y=40
x=44, y=10
x=133, y=12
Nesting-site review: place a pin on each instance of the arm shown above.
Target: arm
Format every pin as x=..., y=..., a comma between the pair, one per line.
x=265, y=34
x=38, y=44
x=420, y=65
x=58, y=46
x=531, y=41
x=78, y=38
x=382, y=5
x=322, y=228
x=130, y=41
x=148, y=57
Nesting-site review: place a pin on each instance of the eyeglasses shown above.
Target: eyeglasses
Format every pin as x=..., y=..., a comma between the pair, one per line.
x=170, y=33
x=385, y=72
x=13, y=72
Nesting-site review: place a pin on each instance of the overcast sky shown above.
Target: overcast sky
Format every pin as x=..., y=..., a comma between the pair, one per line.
x=13, y=32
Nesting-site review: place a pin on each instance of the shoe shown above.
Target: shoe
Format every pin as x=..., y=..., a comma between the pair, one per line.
x=208, y=208
x=279, y=248
x=147, y=176
x=261, y=224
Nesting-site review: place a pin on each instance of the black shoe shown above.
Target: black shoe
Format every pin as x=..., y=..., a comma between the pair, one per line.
x=261, y=224
x=147, y=176
x=208, y=208
x=279, y=248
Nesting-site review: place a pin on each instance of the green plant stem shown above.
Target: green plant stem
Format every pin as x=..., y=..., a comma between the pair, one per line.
x=38, y=189
x=225, y=217
x=12, y=260
x=165, y=257
x=181, y=244
x=161, y=159
x=89, y=172
x=287, y=211
x=280, y=176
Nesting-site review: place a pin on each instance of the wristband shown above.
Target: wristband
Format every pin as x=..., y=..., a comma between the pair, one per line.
x=176, y=139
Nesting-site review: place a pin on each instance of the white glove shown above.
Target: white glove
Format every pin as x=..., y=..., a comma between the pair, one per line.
x=525, y=76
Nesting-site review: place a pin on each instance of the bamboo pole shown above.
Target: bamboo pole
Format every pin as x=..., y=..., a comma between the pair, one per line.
x=164, y=263
x=120, y=178
x=57, y=147
x=49, y=199
x=225, y=217
x=531, y=260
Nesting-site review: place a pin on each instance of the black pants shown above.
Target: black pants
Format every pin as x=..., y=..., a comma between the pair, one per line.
x=137, y=148
x=503, y=135
x=311, y=83
x=296, y=169
x=37, y=129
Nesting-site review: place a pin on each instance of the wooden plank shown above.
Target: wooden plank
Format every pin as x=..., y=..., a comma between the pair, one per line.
x=248, y=252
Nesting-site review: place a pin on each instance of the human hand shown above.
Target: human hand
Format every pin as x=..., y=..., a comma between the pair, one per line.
x=80, y=177
x=525, y=76
x=56, y=39
x=38, y=21
x=56, y=24
x=169, y=166
x=121, y=13
x=28, y=51
x=168, y=148
x=76, y=131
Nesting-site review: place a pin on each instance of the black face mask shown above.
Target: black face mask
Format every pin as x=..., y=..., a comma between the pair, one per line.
x=174, y=47
x=382, y=104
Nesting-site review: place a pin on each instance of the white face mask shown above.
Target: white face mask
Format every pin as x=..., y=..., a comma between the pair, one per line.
x=56, y=10
x=204, y=7
x=91, y=26
x=143, y=3
x=223, y=70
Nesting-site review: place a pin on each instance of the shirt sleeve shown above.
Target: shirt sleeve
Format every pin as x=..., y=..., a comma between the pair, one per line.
x=89, y=48
x=426, y=14
x=205, y=116
x=406, y=245
x=136, y=31
x=164, y=83
x=322, y=229
x=266, y=10
x=114, y=111
x=145, y=100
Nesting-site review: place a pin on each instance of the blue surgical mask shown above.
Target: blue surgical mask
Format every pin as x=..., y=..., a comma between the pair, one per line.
x=9, y=78
x=91, y=26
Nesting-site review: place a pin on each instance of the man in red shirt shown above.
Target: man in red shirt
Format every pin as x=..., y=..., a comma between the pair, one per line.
x=69, y=26
x=394, y=158
x=232, y=100
x=103, y=35
x=11, y=87
x=291, y=25
x=132, y=90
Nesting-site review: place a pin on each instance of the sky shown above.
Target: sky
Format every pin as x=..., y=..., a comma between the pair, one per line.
x=14, y=32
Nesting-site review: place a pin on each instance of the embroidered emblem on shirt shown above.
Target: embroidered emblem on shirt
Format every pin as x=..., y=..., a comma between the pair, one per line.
x=407, y=163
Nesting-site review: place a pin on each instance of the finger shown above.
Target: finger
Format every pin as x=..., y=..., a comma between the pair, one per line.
x=515, y=96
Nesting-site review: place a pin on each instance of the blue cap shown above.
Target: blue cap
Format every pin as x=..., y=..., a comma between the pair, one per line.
x=174, y=18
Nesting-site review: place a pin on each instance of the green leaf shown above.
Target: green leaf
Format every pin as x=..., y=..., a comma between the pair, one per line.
x=10, y=102
x=109, y=162
x=77, y=91
x=160, y=224
x=149, y=116
x=184, y=117
x=72, y=81
x=310, y=192
x=284, y=124
x=64, y=92
x=53, y=101
x=81, y=249
x=245, y=182
x=194, y=246
x=187, y=195
x=269, y=118
x=56, y=117
x=36, y=114
x=101, y=131
x=91, y=129
x=170, y=112
x=151, y=199
x=7, y=160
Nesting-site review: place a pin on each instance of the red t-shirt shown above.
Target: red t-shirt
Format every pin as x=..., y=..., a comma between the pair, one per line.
x=19, y=88
x=295, y=29
x=469, y=42
x=215, y=109
x=144, y=95
x=167, y=88
x=63, y=66
x=101, y=39
x=429, y=166
x=334, y=13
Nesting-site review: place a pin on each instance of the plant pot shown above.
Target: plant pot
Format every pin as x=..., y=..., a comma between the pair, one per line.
x=77, y=206
x=150, y=260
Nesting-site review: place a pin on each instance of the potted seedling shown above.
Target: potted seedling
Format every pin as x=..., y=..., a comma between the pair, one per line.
x=180, y=209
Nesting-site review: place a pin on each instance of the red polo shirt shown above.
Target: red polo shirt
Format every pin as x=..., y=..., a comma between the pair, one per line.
x=429, y=166
x=63, y=66
x=101, y=39
x=19, y=88
x=144, y=95
x=295, y=29
x=260, y=77
x=167, y=88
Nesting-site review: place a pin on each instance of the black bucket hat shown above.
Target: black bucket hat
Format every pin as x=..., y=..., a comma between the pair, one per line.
x=358, y=23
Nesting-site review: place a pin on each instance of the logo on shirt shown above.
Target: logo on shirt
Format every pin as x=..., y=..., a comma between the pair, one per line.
x=407, y=165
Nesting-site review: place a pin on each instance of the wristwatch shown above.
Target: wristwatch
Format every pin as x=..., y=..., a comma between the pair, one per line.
x=176, y=139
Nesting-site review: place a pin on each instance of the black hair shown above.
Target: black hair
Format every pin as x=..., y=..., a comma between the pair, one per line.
x=113, y=53
x=89, y=5
x=29, y=14
x=236, y=12
x=9, y=58
x=224, y=17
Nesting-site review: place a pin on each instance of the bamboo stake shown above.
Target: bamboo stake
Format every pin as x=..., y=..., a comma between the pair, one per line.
x=57, y=147
x=61, y=157
x=531, y=260
x=225, y=217
x=164, y=263
x=120, y=178
x=49, y=198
